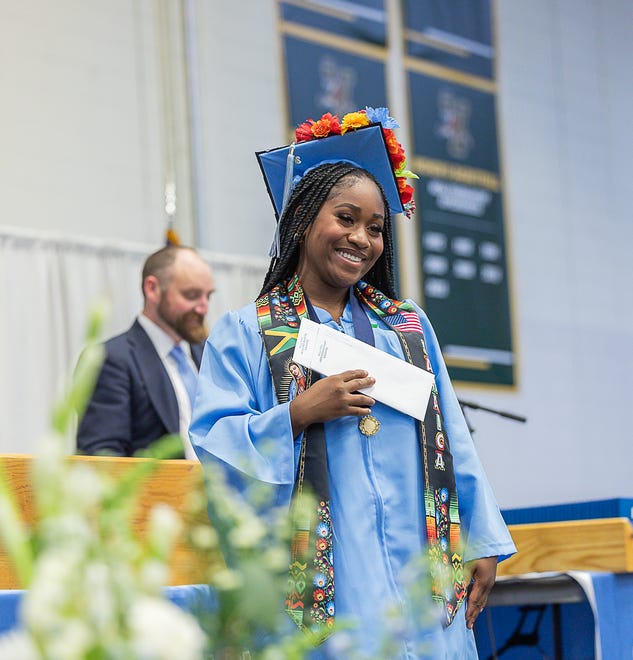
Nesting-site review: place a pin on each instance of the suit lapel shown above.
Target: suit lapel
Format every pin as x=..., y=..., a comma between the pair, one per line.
x=157, y=381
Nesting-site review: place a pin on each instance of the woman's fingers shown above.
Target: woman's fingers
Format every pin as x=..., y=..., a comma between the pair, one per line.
x=357, y=379
x=332, y=397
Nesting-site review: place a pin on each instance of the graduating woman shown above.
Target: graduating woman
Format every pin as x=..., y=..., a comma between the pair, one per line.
x=390, y=488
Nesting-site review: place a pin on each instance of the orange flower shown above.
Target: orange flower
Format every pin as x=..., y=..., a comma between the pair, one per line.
x=327, y=125
x=396, y=152
x=354, y=120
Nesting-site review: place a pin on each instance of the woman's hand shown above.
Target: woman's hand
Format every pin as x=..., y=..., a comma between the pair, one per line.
x=483, y=573
x=330, y=398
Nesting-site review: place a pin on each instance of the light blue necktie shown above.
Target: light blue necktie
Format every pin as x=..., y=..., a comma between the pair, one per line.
x=188, y=375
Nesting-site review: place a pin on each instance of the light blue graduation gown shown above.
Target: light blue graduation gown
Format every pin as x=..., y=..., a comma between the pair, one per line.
x=375, y=483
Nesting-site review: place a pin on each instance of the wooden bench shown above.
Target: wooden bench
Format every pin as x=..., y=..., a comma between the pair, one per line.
x=172, y=482
x=600, y=544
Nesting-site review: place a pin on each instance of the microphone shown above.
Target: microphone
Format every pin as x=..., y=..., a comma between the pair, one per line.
x=501, y=413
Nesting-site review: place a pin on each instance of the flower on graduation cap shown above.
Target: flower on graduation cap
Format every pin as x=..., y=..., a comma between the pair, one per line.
x=381, y=116
x=310, y=129
x=395, y=149
x=406, y=192
x=331, y=125
x=354, y=120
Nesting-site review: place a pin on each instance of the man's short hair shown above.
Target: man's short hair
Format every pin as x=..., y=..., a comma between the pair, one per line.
x=159, y=262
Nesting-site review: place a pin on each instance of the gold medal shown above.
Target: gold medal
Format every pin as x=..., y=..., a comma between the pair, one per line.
x=368, y=425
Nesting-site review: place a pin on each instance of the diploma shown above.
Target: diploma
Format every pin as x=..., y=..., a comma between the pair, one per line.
x=401, y=385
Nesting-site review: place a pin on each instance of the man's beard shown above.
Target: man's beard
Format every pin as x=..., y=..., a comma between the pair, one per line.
x=190, y=325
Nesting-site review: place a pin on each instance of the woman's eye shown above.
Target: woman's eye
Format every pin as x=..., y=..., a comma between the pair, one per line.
x=375, y=230
x=346, y=219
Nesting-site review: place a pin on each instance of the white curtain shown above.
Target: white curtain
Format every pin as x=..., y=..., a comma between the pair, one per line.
x=48, y=286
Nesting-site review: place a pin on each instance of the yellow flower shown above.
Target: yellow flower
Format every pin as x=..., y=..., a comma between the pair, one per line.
x=353, y=120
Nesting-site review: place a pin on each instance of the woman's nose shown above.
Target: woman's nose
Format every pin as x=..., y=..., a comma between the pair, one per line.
x=359, y=236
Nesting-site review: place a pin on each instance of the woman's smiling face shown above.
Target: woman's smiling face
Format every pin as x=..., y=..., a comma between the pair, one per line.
x=345, y=239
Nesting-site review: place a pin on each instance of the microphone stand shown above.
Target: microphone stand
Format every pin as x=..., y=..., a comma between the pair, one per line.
x=475, y=406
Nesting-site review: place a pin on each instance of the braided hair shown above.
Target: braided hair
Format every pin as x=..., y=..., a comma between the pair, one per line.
x=303, y=207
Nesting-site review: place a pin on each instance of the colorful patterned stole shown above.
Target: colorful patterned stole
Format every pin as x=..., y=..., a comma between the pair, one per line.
x=440, y=492
x=310, y=595
x=310, y=599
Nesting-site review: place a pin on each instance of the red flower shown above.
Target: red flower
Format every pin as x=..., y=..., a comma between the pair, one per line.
x=311, y=130
x=321, y=544
x=318, y=595
x=304, y=131
x=405, y=190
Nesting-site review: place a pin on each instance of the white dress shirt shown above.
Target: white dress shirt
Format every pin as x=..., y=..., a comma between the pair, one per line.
x=163, y=344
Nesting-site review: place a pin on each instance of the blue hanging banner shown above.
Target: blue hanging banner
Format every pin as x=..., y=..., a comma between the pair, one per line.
x=456, y=34
x=460, y=196
x=362, y=20
x=335, y=54
x=325, y=76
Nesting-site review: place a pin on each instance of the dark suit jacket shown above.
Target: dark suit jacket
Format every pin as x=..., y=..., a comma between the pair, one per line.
x=134, y=402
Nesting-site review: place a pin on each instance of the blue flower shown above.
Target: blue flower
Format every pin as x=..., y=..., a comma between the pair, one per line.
x=329, y=608
x=381, y=116
x=319, y=580
x=444, y=494
x=322, y=529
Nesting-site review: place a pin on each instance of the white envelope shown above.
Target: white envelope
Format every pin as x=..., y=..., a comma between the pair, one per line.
x=399, y=384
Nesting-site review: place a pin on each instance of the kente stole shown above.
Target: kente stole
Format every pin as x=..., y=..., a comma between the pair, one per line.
x=310, y=597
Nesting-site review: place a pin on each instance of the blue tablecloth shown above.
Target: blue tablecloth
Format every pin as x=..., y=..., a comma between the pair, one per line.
x=603, y=622
x=599, y=627
x=191, y=598
x=9, y=606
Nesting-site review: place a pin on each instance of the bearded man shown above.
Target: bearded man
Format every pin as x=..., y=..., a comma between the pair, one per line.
x=147, y=383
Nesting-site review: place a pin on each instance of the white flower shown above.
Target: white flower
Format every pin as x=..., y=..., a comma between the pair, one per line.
x=275, y=558
x=154, y=574
x=248, y=534
x=72, y=641
x=84, y=487
x=226, y=579
x=164, y=526
x=68, y=529
x=55, y=577
x=162, y=631
x=17, y=645
x=98, y=590
x=204, y=537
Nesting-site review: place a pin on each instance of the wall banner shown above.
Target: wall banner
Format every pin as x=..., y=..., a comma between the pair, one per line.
x=460, y=210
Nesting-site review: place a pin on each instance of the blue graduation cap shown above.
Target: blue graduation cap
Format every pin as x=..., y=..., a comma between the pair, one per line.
x=365, y=147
